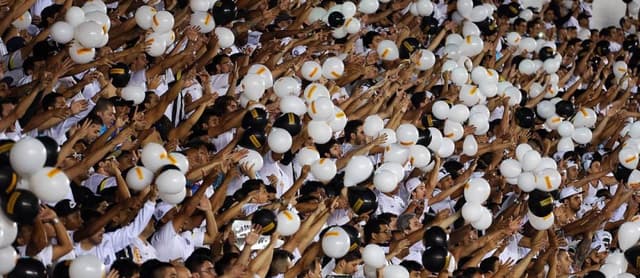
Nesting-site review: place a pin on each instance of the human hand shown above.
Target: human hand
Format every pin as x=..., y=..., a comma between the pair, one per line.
x=253, y=235
x=46, y=214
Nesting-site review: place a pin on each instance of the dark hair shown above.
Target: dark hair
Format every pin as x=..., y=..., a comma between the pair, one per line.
x=368, y=38
x=350, y=257
x=195, y=261
x=372, y=227
x=126, y=268
x=488, y=265
x=418, y=98
x=326, y=147
x=412, y=265
x=351, y=129
x=49, y=100
x=224, y=262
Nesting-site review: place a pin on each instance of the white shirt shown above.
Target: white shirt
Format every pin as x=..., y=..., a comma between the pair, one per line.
x=392, y=204
x=98, y=182
x=117, y=240
x=45, y=256
x=141, y=251
x=272, y=167
x=219, y=83
x=170, y=245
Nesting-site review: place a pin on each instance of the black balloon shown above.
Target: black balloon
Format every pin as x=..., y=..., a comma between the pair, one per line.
x=408, y=47
x=52, y=150
x=510, y=10
x=362, y=200
x=595, y=274
x=5, y=148
x=435, y=258
x=21, y=206
x=622, y=173
x=525, y=117
x=224, y=12
x=435, y=236
x=255, y=118
x=488, y=26
x=602, y=48
x=336, y=19
x=540, y=203
x=289, y=122
x=8, y=180
x=431, y=24
x=354, y=237
x=28, y=268
x=630, y=43
x=633, y=255
x=565, y=109
x=425, y=135
x=546, y=52
x=253, y=139
x=267, y=219
x=428, y=120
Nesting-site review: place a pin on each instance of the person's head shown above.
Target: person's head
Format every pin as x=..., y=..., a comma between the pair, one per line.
x=182, y=271
x=140, y=62
x=354, y=133
x=127, y=159
x=489, y=265
x=53, y=101
x=126, y=268
x=69, y=213
x=472, y=272
x=164, y=270
x=572, y=198
x=376, y=231
x=371, y=39
x=520, y=25
x=88, y=216
x=331, y=149
x=564, y=262
x=200, y=266
x=349, y=263
x=94, y=128
x=226, y=263
x=408, y=223
x=414, y=268
x=261, y=195
x=226, y=103
x=105, y=110
x=150, y=100
x=197, y=154
x=221, y=63
x=417, y=189
x=281, y=262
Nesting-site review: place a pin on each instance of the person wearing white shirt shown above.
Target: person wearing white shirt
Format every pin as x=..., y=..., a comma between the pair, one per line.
x=105, y=245
x=391, y=203
x=272, y=172
x=52, y=228
x=140, y=250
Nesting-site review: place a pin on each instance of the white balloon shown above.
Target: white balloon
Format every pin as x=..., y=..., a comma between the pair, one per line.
x=144, y=17
x=479, y=13
x=611, y=270
x=102, y=19
x=139, y=177
x=253, y=86
x=62, y=32
x=419, y=156
x=323, y=169
x=173, y=199
x=440, y=109
x=427, y=59
x=154, y=156
x=321, y=109
x=385, y=181
x=510, y=168
x=319, y=131
x=368, y=6
x=179, y=160
x=585, y=117
x=565, y=129
x=530, y=160
x=477, y=190
x=471, y=212
x=469, y=95
x=264, y=73
x=8, y=231
x=335, y=243
x=619, y=69
x=407, y=134
x=89, y=34
x=471, y=46
x=311, y=70
x=292, y=104
x=515, y=96
x=459, y=76
x=526, y=14
x=50, y=184
x=436, y=139
x=470, y=146
x=74, y=16
x=333, y=68
x=465, y=7
x=548, y=180
x=551, y=65
x=254, y=159
x=94, y=6
x=396, y=168
x=358, y=169
x=565, y=145
x=133, y=93
x=625, y=275
x=540, y=223
x=469, y=29
x=199, y=5
x=458, y=113
x=287, y=86
x=617, y=258
x=546, y=163
x=455, y=38
x=86, y=266
x=225, y=37
x=171, y=181
x=348, y=9
x=424, y=7
x=279, y=140
x=157, y=44
x=27, y=156
x=288, y=223
x=582, y=135
x=316, y=14
x=513, y=38
x=528, y=44
x=521, y=150
x=163, y=21
x=373, y=255
x=545, y=109
x=449, y=65
x=480, y=122
x=395, y=271
x=8, y=257
x=372, y=125
x=23, y=21
x=388, y=50
x=527, y=181
x=485, y=220
x=307, y=156
x=314, y=91
x=339, y=120
x=453, y=130
x=628, y=157
x=527, y=67
x=391, y=137
x=396, y=153
x=447, y=147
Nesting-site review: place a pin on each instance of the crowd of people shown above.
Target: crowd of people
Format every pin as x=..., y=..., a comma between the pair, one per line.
x=318, y=138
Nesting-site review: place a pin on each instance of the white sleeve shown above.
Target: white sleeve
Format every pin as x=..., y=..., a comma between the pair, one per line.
x=197, y=237
x=69, y=122
x=122, y=237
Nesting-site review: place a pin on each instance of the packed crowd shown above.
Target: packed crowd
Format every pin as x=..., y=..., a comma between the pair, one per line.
x=318, y=138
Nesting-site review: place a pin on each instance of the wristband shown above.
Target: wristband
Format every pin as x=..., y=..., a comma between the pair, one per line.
x=55, y=220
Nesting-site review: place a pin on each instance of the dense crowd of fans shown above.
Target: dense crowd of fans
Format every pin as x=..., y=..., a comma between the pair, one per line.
x=318, y=138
